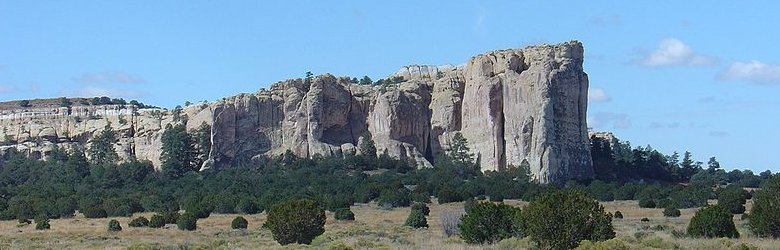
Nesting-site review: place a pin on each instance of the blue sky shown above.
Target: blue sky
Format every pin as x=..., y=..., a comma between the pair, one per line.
x=702, y=76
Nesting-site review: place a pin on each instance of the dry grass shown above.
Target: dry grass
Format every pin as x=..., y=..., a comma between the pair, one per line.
x=374, y=228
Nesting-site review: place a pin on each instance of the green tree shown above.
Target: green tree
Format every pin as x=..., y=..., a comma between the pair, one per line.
x=24, y=103
x=139, y=222
x=416, y=219
x=42, y=223
x=239, y=223
x=202, y=140
x=670, y=211
x=178, y=154
x=187, y=222
x=713, y=164
x=488, y=222
x=422, y=207
x=366, y=81
x=459, y=150
x=101, y=149
x=157, y=221
x=113, y=226
x=367, y=147
x=296, y=221
x=344, y=214
x=712, y=222
x=65, y=102
x=688, y=166
x=764, y=218
x=733, y=199
x=561, y=219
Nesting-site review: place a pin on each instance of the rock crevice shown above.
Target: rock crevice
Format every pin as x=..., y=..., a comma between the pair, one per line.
x=513, y=106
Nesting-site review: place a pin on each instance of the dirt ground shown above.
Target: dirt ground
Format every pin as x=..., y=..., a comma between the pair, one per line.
x=374, y=228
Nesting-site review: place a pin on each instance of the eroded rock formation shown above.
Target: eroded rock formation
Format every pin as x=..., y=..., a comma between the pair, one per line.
x=515, y=107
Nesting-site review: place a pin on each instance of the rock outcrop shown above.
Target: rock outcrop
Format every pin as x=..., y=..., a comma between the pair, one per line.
x=515, y=107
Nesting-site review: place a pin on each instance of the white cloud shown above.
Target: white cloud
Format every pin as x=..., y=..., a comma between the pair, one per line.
x=673, y=52
x=608, y=119
x=596, y=95
x=754, y=71
x=109, y=78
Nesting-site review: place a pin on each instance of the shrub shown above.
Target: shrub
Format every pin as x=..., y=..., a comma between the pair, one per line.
x=171, y=217
x=113, y=226
x=744, y=216
x=420, y=197
x=733, y=198
x=344, y=214
x=561, y=219
x=42, y=223
x=157, y=221
x=195, y=207
x=712, y=222
x=645, y=220
x=239, y=223
x=416, y=219
x=497, y=197
x=94, y=212
x=646, y=203
x=187, y=222
x=618, y=215
x=764, y=219
x=139, y=222
x=247, y=206
x=422, y=207
x=296, y=221
x=449, y=222
x=391, y=198
x=447, y=195
x=469, y=204
x=488, y=223
x=671, y=212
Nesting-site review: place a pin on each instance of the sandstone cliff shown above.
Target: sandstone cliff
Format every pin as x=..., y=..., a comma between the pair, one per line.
x=515, y=107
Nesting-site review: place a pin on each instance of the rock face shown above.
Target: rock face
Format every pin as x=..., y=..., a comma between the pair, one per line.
x=515, y=107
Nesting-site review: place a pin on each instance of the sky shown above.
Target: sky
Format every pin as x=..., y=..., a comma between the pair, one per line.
x=702, y=76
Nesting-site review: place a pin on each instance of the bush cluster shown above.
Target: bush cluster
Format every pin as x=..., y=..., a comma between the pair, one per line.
x=157, y=221
x=416, y=219
x=487, y=223
x=187, y=222
x=561, y=219
x=42, y=223
x=239, y=223
x=671, y=212
x=296, y=221
x=764, y=220
x=344, y=214
x=139, y=222
x=113, y=226
x=422, y=207
x=712, y=222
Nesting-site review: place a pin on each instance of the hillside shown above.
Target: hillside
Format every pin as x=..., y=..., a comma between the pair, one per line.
x=517, y=107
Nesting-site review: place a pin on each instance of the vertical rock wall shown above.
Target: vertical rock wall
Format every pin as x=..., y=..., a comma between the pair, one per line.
x=515, y=107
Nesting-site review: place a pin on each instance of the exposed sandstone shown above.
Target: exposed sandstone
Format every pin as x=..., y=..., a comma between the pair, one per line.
x=515, y=107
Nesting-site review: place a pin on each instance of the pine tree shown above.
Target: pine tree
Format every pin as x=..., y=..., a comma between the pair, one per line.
x=101, y=149
x=367, y=147
x=459, y=150
x=178, y=154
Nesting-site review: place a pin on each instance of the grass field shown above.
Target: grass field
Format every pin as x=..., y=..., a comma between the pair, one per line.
x=374, y=228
